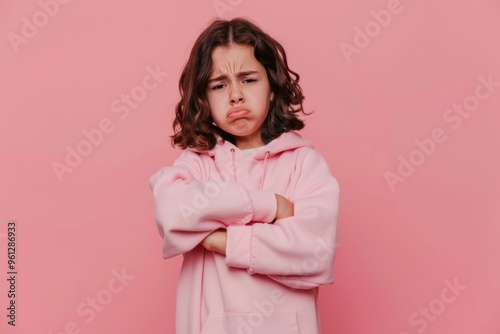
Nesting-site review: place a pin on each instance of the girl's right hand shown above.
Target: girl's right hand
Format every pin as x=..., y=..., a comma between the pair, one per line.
x=285, y=207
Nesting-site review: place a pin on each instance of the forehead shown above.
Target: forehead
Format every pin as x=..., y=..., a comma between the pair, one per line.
x=233, y=58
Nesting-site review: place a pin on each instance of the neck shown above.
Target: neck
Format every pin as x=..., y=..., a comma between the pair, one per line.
x=244, y=143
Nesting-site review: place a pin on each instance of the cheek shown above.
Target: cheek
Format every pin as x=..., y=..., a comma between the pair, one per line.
x=216, y=109
x=264, y=101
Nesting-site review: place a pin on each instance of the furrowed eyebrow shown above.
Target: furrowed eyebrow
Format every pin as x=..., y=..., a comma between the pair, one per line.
x=239, y=75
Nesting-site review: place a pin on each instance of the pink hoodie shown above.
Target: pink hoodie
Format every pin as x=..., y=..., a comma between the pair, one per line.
x=268, y=280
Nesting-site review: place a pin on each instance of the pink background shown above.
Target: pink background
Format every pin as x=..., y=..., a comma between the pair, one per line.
x=399, y=246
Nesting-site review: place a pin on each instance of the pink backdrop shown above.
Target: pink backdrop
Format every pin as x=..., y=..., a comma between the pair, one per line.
x=407, y=100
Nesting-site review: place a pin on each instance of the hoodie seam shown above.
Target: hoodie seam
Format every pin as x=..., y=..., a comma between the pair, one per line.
x=253, y=250
x=246, y=197
x=264, y=171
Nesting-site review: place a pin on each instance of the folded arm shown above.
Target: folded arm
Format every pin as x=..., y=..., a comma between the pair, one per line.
x=188, y=208
x=297, y=251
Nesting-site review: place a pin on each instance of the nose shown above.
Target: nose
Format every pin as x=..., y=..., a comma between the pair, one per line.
x=236, y=94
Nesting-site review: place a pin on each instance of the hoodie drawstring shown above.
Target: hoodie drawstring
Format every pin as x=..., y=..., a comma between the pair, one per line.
x=233, y=164
x=264, y=173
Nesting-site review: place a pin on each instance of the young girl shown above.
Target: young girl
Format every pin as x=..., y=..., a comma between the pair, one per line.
x=249, y=203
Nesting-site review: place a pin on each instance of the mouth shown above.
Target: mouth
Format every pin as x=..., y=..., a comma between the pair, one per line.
x=236, y=113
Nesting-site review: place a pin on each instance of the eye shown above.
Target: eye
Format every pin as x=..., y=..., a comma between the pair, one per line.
x=249, y=80
x=217, y=87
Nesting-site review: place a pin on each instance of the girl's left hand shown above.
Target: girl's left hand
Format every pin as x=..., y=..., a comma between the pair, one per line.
x=216, y=241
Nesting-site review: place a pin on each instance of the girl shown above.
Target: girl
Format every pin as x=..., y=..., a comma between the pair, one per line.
x=249, y=203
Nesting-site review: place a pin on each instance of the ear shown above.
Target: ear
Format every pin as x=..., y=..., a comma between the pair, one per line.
x=272, y=96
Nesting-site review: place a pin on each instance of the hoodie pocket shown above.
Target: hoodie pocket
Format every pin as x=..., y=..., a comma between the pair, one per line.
x=251, y=323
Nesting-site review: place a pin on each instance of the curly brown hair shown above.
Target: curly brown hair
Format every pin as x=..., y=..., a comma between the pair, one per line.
x=193, y=125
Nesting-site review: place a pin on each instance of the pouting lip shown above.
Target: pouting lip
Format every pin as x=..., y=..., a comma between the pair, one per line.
x=239, y=110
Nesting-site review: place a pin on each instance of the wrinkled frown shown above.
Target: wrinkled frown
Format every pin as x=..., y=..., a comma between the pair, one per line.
x=239, y=94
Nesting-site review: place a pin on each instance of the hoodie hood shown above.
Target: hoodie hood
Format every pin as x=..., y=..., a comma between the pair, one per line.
x=286, y=141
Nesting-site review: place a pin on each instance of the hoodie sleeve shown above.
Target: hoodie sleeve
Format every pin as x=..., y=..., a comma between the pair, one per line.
x=296, y=251
x=188, y=208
